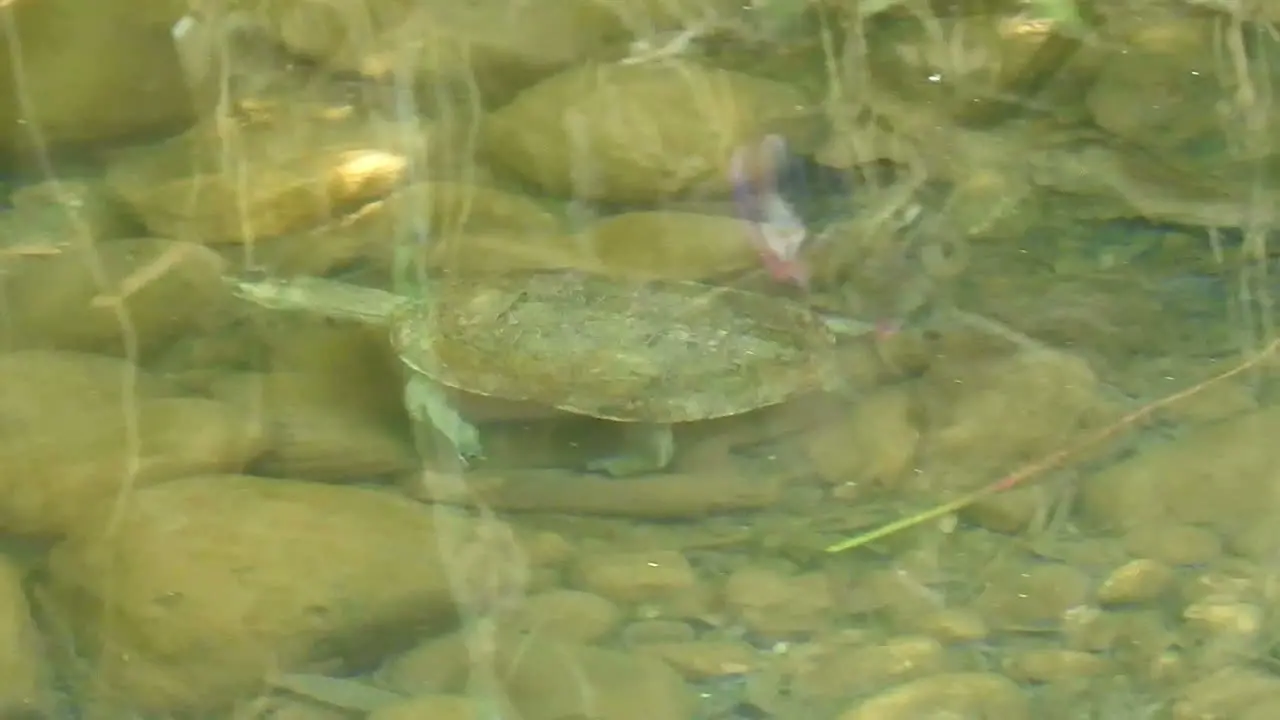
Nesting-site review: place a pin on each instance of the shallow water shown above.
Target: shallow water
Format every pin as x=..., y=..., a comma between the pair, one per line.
x=210, y=508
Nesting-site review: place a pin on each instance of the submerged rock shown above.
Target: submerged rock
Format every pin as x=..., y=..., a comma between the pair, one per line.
x=638, y=133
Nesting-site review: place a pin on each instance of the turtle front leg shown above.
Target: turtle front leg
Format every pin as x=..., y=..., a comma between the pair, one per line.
x=428, y=405
x=649, y=448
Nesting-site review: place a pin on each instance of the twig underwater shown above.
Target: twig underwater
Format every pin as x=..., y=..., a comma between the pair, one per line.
x=1052, y=460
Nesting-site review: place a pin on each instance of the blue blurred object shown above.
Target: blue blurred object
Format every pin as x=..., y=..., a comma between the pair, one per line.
x=778, y=232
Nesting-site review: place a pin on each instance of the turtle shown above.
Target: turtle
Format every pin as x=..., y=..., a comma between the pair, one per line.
x=649, y=354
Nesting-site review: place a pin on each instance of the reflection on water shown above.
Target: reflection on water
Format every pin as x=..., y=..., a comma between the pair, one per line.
x=1022, y=233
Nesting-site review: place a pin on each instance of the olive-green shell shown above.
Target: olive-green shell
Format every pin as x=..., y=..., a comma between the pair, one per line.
x=655, y=351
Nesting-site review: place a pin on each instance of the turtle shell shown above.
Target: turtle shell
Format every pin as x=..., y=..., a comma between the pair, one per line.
x=661, y=351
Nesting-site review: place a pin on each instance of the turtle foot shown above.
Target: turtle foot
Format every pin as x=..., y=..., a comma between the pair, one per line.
x=465, y=439
x=650, y=449
x=428, y=404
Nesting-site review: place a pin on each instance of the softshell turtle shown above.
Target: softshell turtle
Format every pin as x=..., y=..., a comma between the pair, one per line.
x=648, y=354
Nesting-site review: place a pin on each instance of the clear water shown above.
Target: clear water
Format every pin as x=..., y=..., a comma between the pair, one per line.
x=213, y=508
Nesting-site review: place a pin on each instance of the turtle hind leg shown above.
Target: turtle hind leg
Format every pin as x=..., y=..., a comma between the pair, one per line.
x=649, y=448
x=428, y=405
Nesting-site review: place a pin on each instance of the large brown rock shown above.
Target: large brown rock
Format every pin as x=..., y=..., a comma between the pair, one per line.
x=548, y=678
x=974, y=69
x=494, y=46
x=83, y=430
x=1166, y=92
x=207, y=585
x=121, y=297
x=72, y=72
x=1220, y=475
x=459, y=219
x=27, y=690
x=274, y=168
x=639, y=133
